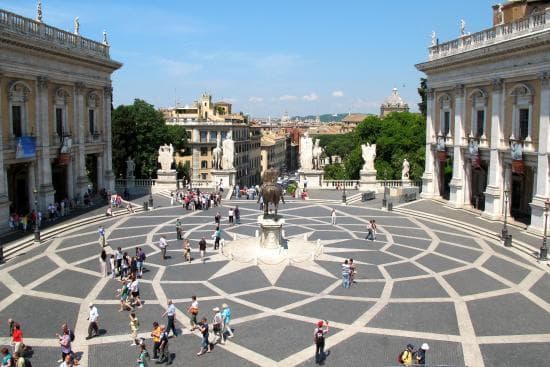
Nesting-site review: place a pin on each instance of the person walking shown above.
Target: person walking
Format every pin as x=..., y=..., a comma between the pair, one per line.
x=17, y=338
x=65, y=343
x=103, y=263
x=420, y=355
x=373, y=226
x=217, y=219
x=134, y=328
x=237, y=215
x=171, y=315
x=345, y=274
x=134, y=291
x=163, y=245
x=406, y=357
x=230, y=214
x=226, y=316
x=163, y=346
x=6, y=358
x=18, y=360
x=205, y=344
x=193, y=311
x=112, y=263
x=333, y=217
x=352, y=272
x=217, y=325
x=101, y=232
x=178, y=229
x=217, y=236
x=118, y=258
x=155, y=334
x=187, y=250
x=202, y=249
x=319, y=339
x=143, y=357
x=370, y=233
x=93, y=318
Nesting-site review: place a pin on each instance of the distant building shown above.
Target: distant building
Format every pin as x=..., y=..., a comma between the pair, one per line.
x=273, y=152
x=394, y=103
x=203, y=110
x=351, y=121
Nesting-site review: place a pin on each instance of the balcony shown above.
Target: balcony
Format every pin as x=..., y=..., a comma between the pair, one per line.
x=535, y=23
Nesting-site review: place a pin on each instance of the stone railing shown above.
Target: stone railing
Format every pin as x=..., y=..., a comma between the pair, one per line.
x=10, y=22
x=534, y=23
x=333, y=184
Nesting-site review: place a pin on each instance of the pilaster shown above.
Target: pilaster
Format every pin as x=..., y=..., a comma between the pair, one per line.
x=493, y=191
x=542, y=185
x=44, y=168
x=428, y=178
x=4, y=200
x=109, y=181
x=457, y=181
x=80, y=148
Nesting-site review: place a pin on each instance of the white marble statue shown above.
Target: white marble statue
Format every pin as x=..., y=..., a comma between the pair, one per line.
x=462, y=27
x=76, y=26
x=217, y=154
x=405, y=170
x=66, y=146
x=39, y=12
x=130, y=167
x=317, y=152
x=368, y=152
x=105, y=41
x=166, y=157
x=516, y=150
x=228, y=157
x=306, y=152
x=434, y=39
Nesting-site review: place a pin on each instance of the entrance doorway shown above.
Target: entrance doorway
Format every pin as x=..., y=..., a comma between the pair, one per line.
x=445, y=176
x=59, y=181
x=18, y=188
x=91, y=171
x=521, y=195
x=479, y=184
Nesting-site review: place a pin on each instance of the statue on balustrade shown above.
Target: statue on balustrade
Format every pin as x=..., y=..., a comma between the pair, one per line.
x=405, y=170
x=368, y=152
x=166, y=157
x=130, y=167
x=317, y=152
x=217, y=154
x=228, y=157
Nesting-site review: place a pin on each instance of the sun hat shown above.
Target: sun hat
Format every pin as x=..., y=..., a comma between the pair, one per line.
x=425, y=346
x=225, y=305
x=319, y=323
x=216, y=309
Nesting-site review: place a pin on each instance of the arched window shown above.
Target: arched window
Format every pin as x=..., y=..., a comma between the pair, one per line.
x=479, y=114
x=18, y=110
x=60, y=112
x=93, y=102
x=522, y=112
x=445, y=103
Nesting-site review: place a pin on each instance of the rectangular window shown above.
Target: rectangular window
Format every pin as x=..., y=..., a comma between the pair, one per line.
x=523, y=123
x=204, y=164
x=59, y=121
x=91, y=121
x=213, y=136
x=204, y=134
x=224, y=135
x=16, y=120
x=446, y=123
x=204, y=151
x=480, y=123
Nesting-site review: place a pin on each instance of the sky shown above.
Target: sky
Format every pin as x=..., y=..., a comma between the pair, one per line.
x=266, y=57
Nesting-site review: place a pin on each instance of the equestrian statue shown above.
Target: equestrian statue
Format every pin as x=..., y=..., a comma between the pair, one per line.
x=270, y=191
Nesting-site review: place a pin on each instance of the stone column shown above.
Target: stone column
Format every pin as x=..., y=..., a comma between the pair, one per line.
x=457, y=181
x=468, y=184
x=70, y=179
x=4, y=200
x=44, y=168
x=80, y=146
x=109, y=177
x=542, y=184
x=429, y=178
x=493, y=197
x=101, y=178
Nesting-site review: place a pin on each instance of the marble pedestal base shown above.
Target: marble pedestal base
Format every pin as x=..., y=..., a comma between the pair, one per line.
x=368, y=180
x=166, y=181
x=314, y=179
x=271, y=235
x=228, y=178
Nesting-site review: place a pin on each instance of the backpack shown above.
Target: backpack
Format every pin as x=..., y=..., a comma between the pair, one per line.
x=319, y=335
x=71, y=335
x=400, y=358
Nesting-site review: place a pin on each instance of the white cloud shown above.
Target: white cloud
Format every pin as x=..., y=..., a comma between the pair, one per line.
x=287, y=97
x=256, y=99
x=310, y=97
x=337, y=94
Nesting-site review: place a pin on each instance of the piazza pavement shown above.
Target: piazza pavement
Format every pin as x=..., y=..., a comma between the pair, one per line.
x=423, y=279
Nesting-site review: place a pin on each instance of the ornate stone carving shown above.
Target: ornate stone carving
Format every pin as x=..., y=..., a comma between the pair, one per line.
x=62, y=96
x=459, y=90
x=42, y=82
x=228, y=157
x=108, y=91
x=405, y=170
x=544, y=78
x=434, y=39
x=105, y=41
x=166, y=157
x=76, y=26
x=79, y=87
x=39, y=12
x=93, y=99
x=497, y=85
x=217, y=154
x=368, y=152
x=18, y=92
x=317, y=152
x=430, y=93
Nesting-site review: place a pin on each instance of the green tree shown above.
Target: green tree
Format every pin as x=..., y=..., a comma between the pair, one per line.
x=353, y=163
x=423, y=92
x=137, y=131
x=335, y=172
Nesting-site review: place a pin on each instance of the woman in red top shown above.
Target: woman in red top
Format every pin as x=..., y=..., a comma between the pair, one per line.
x=17, y=338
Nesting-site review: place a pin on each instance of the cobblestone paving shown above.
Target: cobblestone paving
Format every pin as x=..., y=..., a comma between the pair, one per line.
x=475, y=302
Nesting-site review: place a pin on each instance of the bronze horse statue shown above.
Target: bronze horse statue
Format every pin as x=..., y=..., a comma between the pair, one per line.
x=270, y=191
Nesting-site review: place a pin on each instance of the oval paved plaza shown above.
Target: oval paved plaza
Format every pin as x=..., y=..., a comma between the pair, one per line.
x=473, y=301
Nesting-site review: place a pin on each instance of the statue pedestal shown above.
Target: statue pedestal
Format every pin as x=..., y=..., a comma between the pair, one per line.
x=368, y=180
x=271, y=231
x=314, y=179
x=227, y=177
x=166, y=181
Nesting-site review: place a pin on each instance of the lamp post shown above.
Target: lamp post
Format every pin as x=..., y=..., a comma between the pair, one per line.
x=504, y=236
x=36, y=229
x=385, y=200
x=150, y=189
x=544, y=249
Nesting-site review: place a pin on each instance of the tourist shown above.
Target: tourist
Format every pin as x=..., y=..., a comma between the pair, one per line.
x=140, y=258
x=143, y=358
x=6, y=358
x=103, y=263
x=170, y=314
x=163, y=244
x=178, y=229
x=163, y=346
x=155, y=334
x=237, y=215
x=373, y=226
x=333, y=216
x=345, y=274
x=205, y=344
x=65, y=343
x=130, y=208
x=406, y=357
x=187, y=250
x=217, y=218
x=420, y=355
x=352, y=272
x=217, y=325
x=93, y=316
x=217, y=236
x=17, y=338
x=230, y=214
x=319, y=340
x=118, y=258
x=202, y=249
x=125, y=266
x=134, y=328
x=193, y=310
x=134, y=291
x=101, y=232
x=370, y=233
x=18, y=360
x=123, y=293
x=11, y=326
x=112, y=263
x=133, y=267
x=109, y=212
x=226, y=316
x=172, y=198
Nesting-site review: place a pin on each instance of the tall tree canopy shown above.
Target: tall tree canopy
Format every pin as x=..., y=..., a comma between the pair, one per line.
x=138, y=130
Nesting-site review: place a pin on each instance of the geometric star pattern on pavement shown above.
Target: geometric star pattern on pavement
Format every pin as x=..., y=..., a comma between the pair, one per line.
x=419, y=281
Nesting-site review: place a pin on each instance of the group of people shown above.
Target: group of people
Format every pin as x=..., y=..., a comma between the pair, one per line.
x=349, y=270
x=195, y=199
x=411, y=357
x=221, y=325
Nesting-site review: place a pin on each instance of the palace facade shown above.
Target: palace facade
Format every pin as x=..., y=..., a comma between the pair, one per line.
x=55, y=114
x=488, y=107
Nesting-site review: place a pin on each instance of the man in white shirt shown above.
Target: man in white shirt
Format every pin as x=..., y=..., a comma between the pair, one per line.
x=163, y=244
x=93, y=316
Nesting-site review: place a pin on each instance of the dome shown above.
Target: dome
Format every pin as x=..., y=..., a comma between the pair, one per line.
x=394, y=100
